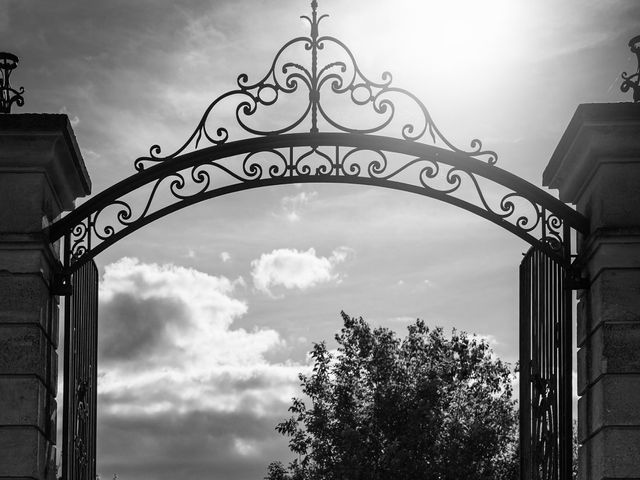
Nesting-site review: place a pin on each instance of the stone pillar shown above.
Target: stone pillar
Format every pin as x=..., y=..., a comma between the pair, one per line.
x=596, y=166
x=41, y=175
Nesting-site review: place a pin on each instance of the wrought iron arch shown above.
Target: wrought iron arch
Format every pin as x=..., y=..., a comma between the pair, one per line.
x=331, y=158
x=389, y=150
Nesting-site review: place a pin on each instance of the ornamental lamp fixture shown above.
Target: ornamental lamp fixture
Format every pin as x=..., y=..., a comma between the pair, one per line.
x=8, y=95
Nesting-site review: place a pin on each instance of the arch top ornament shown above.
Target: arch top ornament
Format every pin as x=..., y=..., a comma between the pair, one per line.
x=311, y=76
x=391, y=141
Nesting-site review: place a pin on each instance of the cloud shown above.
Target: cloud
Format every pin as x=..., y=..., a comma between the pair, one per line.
x=293, y=269
x=198, y=444
x=492, y=340
x=74, y=120
x=291, y=205
x=402, y=319
x=225, y=257
x=174, y=372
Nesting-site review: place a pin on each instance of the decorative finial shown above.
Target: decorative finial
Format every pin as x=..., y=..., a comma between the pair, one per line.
x=633, y=81
x=8, y=95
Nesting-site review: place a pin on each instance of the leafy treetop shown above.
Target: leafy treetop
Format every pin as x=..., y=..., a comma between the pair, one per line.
x=425, y=406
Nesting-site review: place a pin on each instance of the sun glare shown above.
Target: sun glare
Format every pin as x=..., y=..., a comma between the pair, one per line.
x=461, y=37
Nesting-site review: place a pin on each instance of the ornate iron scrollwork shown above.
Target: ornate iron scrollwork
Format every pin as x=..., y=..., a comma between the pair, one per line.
x=633, y=81
x=392, y=151
x=545, y=428
x=9, y=95
x=483, y=189
x=339, y=76
x=81, y=425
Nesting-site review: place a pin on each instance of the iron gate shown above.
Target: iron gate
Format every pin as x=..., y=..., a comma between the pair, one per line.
x=80, y=375
x=232, y=151
x=545, y=369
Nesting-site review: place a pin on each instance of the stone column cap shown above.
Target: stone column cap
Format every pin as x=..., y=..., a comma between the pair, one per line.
x=597, y=132
x=46, y=143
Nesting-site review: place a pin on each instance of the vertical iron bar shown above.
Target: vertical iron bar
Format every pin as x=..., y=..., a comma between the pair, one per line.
x=566, y=434
x=94, y=370
x=525, y=368
x=66, y=413
x=534, y=366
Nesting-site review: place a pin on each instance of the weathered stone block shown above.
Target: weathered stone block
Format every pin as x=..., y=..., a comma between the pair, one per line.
x=26, y=193
x=25, y=453
x=24, y=299
x=597, y=134
x=45, y=144
x=614, y=296
x=611, y=348
x=614, y=400
x=617, y=175
x=24, y=401
x=583, y=462
x=24, y=350
x=613, y=452
x=611, y=249
x=27, y=254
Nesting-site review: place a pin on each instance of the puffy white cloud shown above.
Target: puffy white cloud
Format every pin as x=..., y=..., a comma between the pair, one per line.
x=225, y=257
x=167, y=344
x=178, y=384
x=293, y=269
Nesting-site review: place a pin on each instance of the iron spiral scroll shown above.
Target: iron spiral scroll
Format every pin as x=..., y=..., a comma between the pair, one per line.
x=339, y=76
x=318, y=145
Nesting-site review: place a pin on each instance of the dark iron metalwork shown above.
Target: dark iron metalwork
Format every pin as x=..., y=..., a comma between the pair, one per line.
x=8, y=94
x=545, y=368
x=320, y=144
x=342, y=154
x=338, y=77
x=80, y=375
x=476, y=186
x=633, y=81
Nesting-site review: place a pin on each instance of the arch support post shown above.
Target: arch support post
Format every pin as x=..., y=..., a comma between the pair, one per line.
x=596, y=166
x=41, y=175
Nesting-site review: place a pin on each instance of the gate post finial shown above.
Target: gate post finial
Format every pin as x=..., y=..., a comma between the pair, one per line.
x=633, y=81
x=8, y=95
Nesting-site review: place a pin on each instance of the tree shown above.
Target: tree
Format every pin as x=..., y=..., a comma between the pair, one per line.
x=425, y=406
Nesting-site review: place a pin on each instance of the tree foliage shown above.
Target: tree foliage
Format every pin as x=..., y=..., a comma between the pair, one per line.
x=425, y=406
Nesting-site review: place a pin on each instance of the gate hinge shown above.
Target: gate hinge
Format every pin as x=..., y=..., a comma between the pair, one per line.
x=61, y=285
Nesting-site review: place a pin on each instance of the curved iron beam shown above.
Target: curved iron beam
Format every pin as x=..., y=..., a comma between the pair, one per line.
x=553, y=216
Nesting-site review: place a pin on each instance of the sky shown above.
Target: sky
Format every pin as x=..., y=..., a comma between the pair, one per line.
x=206, y=316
